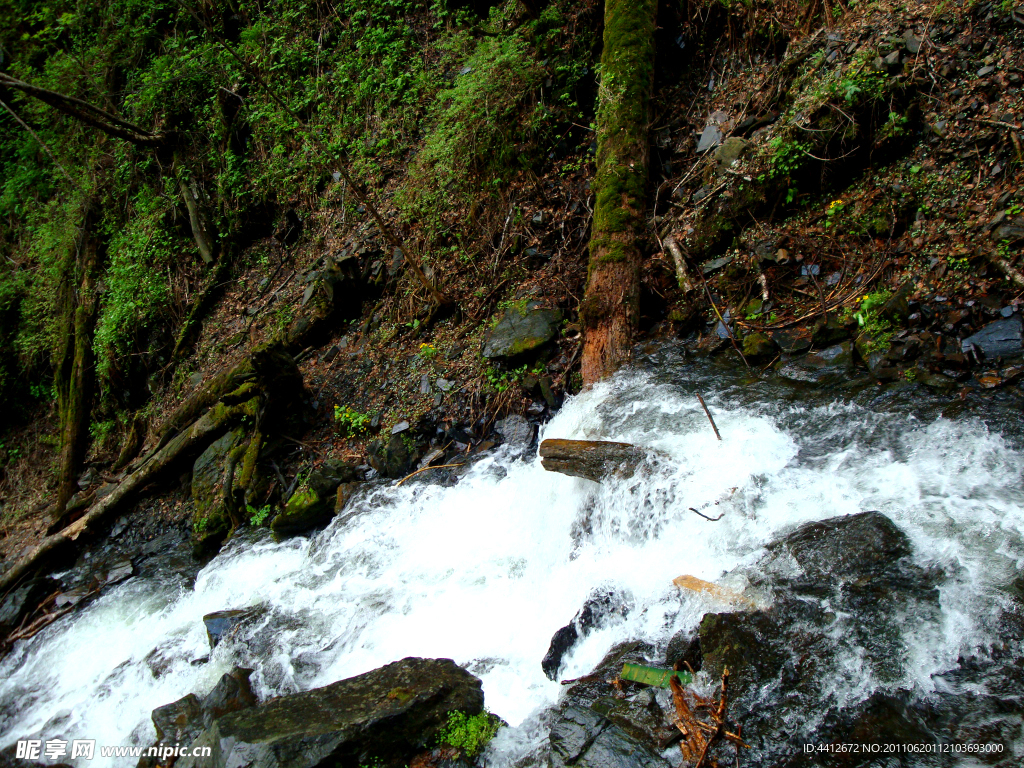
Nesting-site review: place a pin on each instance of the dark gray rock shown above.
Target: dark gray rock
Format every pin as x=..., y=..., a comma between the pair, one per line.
x=387, y=714
x=220, y=623
x=842, y=588
x=597, y=611
x=598, y=727
x=232, y=693
x=19, y=602
x=1003, y=338
x=517, y=432
x=521, y=330
x=180, y=721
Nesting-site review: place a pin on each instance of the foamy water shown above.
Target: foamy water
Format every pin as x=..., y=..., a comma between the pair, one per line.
x=485, y=572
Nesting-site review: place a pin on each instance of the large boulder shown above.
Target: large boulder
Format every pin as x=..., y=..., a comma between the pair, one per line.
x=521, y=330
x=181, y=721
x=1003, y=338
x=842, y=588
x=382, y=716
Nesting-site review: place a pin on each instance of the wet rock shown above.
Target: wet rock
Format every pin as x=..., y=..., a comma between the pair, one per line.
x=597, y=611
x=793, y=341
x=875, y=354
x=387, y=714
x=220, y=624
x=517, y=432
x=521, y=330
x=19, y=602
x=1002, y=338
x=842, y=588
x=683, y=649
x=758, y=347
x=305, y=510
x=829, y=331
x=593, y=727
x=232, y=693
x=180, y=721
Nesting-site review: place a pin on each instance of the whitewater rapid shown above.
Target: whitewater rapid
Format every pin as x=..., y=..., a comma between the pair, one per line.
x=486, y=570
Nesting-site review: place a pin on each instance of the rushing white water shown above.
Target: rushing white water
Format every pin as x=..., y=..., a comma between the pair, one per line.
x=485, y=571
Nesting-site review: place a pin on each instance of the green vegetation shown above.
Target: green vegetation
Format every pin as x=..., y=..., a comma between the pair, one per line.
x=350, y=421
x=258, y=517
x=468, y=733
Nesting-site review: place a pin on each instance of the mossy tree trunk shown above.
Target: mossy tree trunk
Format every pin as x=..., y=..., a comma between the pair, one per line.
x=610, y=307
x=74, y=369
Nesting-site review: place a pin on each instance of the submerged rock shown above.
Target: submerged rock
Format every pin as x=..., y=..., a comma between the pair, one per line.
x=220, y=623
x=596, y=611
x=387, y=714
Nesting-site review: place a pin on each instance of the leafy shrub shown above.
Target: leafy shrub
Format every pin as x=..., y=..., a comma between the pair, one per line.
x=468, y=733
x=351, y=421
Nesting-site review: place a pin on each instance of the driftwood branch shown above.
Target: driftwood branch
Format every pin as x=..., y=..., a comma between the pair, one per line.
x=710, y=417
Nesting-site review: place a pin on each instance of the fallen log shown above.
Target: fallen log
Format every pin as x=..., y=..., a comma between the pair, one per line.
x=213, y=422
x=590, y=459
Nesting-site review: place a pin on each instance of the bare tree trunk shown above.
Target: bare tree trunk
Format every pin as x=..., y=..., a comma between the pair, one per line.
x=610, y=308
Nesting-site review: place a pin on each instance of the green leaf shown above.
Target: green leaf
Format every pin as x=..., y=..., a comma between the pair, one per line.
x=653, y=675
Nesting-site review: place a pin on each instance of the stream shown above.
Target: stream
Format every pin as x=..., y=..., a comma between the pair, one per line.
x=486, y=570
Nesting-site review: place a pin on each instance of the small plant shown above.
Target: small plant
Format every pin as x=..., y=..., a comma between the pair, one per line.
x=350, y=421
x=257, y=517
x=199, y=526
x=834, y=209
x=468, y=733
x=428, y=351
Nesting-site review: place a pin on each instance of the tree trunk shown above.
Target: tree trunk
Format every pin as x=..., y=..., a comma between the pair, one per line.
x=610, y=308
x=73, y=372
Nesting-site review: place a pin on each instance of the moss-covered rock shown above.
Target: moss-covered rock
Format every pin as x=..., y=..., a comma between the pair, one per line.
x=520, y=330
x=758, y=347
x=211, y=521
x=306, y=509
x=381, y=717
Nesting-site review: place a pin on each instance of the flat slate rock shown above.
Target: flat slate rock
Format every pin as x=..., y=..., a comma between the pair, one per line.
x=1003, y=338
x=387, y=714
